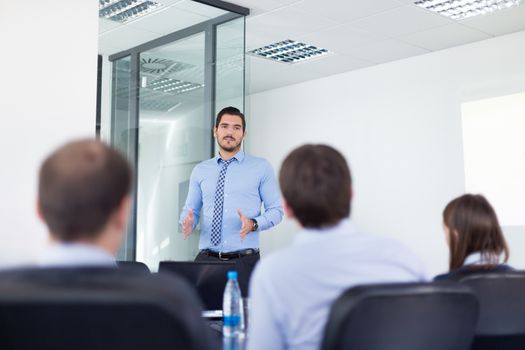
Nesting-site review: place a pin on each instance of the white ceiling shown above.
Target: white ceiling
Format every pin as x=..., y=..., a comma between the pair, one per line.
x=358, y=33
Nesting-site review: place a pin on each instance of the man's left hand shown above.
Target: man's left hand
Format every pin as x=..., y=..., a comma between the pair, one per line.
x=246, y=224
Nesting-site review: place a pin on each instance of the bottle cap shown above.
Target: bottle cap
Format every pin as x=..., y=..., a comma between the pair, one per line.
x=232, y=275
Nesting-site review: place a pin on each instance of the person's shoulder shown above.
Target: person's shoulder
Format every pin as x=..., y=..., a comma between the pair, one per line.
x=386, y=242
x=443, y=277
x=207, y=162
x=204, y=165
x=397, y=252
x=255, y=159
x=504, y=268
x=261, y=164
x=469, y=270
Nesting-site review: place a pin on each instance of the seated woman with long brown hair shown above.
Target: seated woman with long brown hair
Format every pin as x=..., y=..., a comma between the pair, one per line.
x=474, y=237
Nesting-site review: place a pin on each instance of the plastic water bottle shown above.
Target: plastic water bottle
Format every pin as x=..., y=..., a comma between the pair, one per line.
x=232, y=309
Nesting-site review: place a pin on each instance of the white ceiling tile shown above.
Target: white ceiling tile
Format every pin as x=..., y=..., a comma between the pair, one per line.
x=286, y=23
x=258, y=39
x=389, y=50
x=499, y=23
x=401, y=20
x=200, y=9
x=330, y=64
x=105, y=24
x=286, y=2
x=260, y=69
x=125, y=37
x=344, y=11
x=168, y=20
x=259, y=7
x=443, y=37
x=342, y=39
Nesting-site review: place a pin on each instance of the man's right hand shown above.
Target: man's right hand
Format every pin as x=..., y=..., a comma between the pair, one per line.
x=187, y=224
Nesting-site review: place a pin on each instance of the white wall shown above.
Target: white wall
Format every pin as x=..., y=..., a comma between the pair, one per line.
x=47, y=96
x=399, y=125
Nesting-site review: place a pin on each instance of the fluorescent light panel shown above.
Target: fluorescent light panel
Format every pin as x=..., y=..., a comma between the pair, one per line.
x=289, y=51
x=173, y=86
x=125, y=10
x=461, y=9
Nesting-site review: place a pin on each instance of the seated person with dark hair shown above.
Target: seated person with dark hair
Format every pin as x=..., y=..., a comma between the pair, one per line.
x=83, y=198
x=292, y=290
x=474, y=238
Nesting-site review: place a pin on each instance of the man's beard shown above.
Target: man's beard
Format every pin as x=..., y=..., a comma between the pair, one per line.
x=229, y=148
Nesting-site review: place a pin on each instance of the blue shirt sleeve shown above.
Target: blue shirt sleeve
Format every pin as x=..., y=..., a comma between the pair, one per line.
x=194, y=199
x=271, y=198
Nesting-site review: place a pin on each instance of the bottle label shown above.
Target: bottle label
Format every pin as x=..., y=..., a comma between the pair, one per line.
x=232, y=320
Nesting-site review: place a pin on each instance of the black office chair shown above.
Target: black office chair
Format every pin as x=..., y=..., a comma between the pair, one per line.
x=98, y=308
x=412, y=316
x=501, y=323
x=208, y=278
x=133, y=265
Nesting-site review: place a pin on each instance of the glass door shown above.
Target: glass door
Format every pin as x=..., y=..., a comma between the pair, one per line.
x=174, y=135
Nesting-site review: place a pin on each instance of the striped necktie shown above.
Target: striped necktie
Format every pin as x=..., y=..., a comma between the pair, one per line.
x=216, y=223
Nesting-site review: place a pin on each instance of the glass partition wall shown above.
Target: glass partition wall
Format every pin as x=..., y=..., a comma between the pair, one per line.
x=165, y=95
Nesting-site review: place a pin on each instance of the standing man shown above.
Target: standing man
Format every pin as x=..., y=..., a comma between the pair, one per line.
x=292, y=290
x=229, y=189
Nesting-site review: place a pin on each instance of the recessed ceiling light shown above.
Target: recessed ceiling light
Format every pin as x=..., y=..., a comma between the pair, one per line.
x=125, y=10
x=288, y=51
x=173, y=86
x=461, y=9
x=158, y=65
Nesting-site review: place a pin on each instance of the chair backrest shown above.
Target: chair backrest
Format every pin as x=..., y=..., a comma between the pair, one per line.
x=133, y=265
x=103, y=309
x=411, y=316
x=208, y=278
x=501, y=323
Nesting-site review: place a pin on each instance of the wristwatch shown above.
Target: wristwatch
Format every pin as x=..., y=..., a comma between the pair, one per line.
x=255, y=225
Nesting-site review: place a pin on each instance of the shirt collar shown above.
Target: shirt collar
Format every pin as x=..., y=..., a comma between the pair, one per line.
x=76, y=254
x=477, y=258
x=239, y=156
x=345, y=226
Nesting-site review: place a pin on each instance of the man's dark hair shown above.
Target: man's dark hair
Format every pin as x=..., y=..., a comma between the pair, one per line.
x=231, y=111
x=316, y=183
x=80, y=185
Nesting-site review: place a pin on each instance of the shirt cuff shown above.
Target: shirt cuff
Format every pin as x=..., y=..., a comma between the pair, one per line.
x=262, y=222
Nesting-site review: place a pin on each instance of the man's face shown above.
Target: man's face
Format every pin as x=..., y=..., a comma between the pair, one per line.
x=229, y=133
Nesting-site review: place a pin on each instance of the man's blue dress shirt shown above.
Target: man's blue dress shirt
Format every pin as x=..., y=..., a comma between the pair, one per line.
x=249, y=182
x=292, y=290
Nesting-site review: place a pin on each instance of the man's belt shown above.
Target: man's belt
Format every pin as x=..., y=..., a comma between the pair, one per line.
x=230, y=255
